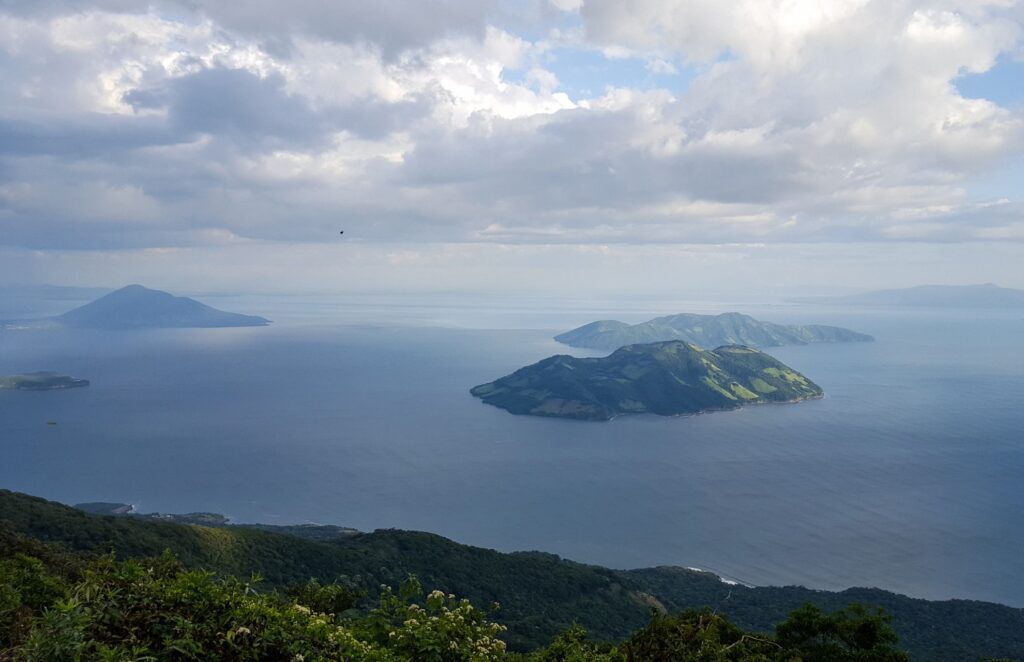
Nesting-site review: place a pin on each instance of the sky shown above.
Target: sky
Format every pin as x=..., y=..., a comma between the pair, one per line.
x=606, y=148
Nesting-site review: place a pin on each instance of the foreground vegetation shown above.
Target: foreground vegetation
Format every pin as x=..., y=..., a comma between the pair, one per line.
x=55, y=606
x=54, y=578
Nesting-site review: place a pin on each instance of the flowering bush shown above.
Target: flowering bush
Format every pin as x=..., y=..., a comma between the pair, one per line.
x=443, y=629
x=154, y=609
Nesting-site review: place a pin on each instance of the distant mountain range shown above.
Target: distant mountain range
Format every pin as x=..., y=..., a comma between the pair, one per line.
x=138, y=307
x=706, y=331
x=936, y=296
x=667, y=378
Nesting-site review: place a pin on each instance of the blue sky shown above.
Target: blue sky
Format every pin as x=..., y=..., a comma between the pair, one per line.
x=1002, y=84
x=589, y=73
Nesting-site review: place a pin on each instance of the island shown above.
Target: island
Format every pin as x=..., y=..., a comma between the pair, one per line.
x=668, y=378
x=706, y=331
x=40, y=381
x=138, y=307
x=987, y=295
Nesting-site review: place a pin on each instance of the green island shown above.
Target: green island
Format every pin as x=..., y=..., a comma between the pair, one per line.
x=706, y=331
x=666, y=378
x=40, y=381
x=80, y=586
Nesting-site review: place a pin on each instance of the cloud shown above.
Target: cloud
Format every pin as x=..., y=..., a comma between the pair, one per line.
x=237, y=105
x=392, y=26
x=174, y=123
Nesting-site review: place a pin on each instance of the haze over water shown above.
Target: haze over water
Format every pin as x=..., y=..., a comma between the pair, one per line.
x=906, y=476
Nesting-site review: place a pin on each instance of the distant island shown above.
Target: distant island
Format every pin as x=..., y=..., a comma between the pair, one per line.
x=665, y=378
x=987, y=295
x=138, y=307
x=706, y=331
x=40, y=381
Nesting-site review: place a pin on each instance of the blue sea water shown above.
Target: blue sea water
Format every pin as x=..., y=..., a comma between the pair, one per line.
x=907, y=476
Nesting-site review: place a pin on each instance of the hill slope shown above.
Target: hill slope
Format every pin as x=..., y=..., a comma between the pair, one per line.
x=664, y=378
x=706, y=331
x=540, y=594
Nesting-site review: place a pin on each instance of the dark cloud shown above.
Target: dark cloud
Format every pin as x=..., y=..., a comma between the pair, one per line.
x=89, y=135
x=232, y=105
x=238, y=105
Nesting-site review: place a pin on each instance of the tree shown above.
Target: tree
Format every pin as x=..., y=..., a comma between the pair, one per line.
x=853, y=634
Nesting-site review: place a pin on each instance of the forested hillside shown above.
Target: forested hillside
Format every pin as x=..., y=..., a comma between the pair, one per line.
x=541, y=596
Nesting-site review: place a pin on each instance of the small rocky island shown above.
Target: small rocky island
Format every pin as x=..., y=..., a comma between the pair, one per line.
x=706, y=331
x=40, y=381
x=665, y=378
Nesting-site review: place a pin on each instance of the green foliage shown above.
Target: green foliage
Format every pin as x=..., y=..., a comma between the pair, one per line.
x=700, y=636
x=937, y=631
x=704, y=636
x=574, y=645
x=333, y=598
x=25, y=588
x=444, y=629
x=541, y=594
x=848, y=635
x=156, y=609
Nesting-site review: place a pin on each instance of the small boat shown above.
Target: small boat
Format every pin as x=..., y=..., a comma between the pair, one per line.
x=51, y=422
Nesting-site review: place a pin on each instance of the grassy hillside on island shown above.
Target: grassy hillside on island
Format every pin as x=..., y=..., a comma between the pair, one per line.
x=665, y=378
x=706, y=331
x=540, y=595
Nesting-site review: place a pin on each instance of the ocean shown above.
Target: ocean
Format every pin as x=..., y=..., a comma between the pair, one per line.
x=906, y=476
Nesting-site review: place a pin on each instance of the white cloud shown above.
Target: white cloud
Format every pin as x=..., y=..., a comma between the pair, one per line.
x=172, y=124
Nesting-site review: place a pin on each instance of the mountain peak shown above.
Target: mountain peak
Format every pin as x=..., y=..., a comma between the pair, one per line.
x=136, y=306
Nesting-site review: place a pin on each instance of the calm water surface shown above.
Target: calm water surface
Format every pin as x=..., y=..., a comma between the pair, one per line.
x=908, y=476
